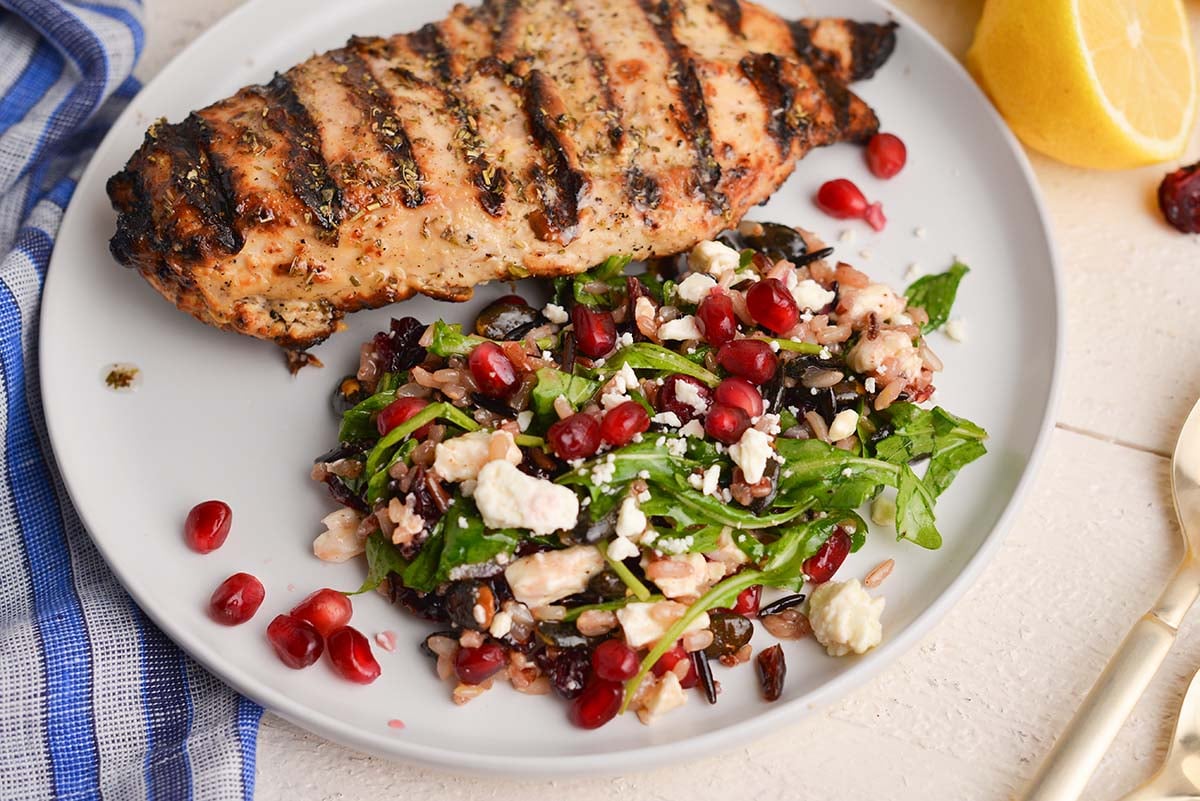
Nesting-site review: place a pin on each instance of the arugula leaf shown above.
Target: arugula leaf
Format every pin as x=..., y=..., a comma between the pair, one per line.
x=383, y=559
x=914, y=511
x=552, y=383
x=810, y=348
x=378, y=481
x=648, y=356
x=460, y=538
x=646, y=457
x=611, y=272
x=421, y=574
x=449, y=340
x=358, y=422
x=950, y=442
x=444, y=411
x=935, y=294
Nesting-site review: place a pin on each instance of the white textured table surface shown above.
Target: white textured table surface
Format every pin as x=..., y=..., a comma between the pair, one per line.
x=968, y=713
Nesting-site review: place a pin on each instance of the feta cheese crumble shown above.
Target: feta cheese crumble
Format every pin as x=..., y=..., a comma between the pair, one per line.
x=811, y=296
x=751, y=453
x=645, y=623
x=543, y=578
x=508, y=498
x=845, y=618
x=693, y=428
x=631, y=522
x=555, y=313
x=845, y=424
x=956, y=329
x=715, y=258
x=695, y=288
x=462, y=458
x=688, y=393
x=682, y=328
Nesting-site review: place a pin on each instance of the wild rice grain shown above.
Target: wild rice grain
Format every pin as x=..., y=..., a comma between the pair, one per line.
x=879, y=573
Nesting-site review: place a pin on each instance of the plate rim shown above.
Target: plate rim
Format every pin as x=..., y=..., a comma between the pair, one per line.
x=613, y=762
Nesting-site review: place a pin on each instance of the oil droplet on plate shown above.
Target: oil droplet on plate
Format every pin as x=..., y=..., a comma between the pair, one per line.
x=121, y=377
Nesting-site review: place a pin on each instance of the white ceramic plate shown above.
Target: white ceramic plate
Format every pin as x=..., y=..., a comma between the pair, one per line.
x=217, y=415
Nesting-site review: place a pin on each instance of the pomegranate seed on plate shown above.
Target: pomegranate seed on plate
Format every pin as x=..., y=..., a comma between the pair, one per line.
x=575, y=437
x=399, y=412
x=821, y=566
x=621, y=423
x=845, y=201
x=350, y=653
x=297, y=643
x=669, y=399
x=325, y=609
x=671, y=658
x=717, y=318
x=740, y=393
x=726, y=423
x=207, y=526
x=751, y=359
x=477, y=665
x=236, y=599
x=886, y=155
x=595, y=331
x=748, y=600
x=613, y=660
x=772, y=306
x=493, y=372
x=599, y=703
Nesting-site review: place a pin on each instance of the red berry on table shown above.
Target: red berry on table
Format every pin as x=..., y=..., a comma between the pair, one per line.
x=1179, y=198
x=325, y=609
x=886, y=155
x=845, y=201
x=599, y=703
x=684, y=396
x=772, y=306
x=623, y=422
x=477, y=665
x=400, y=411
x=821, y=566
x=613, y=660
x=207, y=526
x=595, y=331
x=717, y=318
x=297, y=643
x=236, y=599
x=350, y=654
x=740, y=393
x=751, y=359
x=726, y=423
x=494, y=373
x=575, y=437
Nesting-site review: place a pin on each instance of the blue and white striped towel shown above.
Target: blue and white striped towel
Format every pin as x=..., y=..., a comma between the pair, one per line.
x=94, y=701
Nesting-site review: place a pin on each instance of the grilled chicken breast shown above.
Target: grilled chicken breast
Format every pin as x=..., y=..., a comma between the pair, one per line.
x=525, y=137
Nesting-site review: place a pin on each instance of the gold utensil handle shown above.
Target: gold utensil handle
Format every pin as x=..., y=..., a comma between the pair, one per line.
x=1066, y=772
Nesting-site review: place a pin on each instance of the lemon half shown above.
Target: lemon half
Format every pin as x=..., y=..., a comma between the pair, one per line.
x=1109, y=84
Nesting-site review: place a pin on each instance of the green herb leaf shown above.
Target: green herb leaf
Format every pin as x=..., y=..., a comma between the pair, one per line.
x=382, y=452
x=449, y=340
x=935, y=294
x=383, y=559
x=358, y=422
x=611, y=272
x=948, y=441
x=648, y=356
x=552, y=383
x=460, y=538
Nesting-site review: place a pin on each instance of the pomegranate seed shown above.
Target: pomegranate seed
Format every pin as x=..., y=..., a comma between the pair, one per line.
x=613, y=660
x=351, y=656
x=845, y=201
x=399, y=412
x=821, y=566
x=576, y=437
x=772, y=306
x=207, y=526
x=717, y=318
x=726, y=423
x=751, y=359
x=748, y=600
x=493, y=372
x=1179, y=198
x=886, y=155
x=237, y=599
x=740, y=393
x=326, y=609
x=597, y=704
x=595, y=331
x=671, y=658
x=296, y=642
x=669, y=399
x=623, y=422
x=477, y=665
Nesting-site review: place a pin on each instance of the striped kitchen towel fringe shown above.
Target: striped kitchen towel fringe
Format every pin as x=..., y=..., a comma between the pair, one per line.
x=95, y=702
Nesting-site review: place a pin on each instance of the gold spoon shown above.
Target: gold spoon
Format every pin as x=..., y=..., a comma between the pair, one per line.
x=1179, y=777
x=1078, y=751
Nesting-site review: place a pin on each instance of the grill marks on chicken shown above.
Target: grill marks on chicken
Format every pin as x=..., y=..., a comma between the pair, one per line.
x=522, y=137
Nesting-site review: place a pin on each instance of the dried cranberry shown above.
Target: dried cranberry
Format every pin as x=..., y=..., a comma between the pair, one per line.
x=751, y=359
x=1179, y=198
x=670, y=659
x=595, y=331
x=477, y=665
x=748, y=600
x=613, y=660
x=672, y=397
x=772, y=670
x=400, y=347
x=493, y=372
x=350, y=653
x=569, y=672
x=207, y=526
x=325, y=609
x=717, y=318
x=726, y=423
x=297, y=642
x=772, y=306
x=399, y=412
x=821, y=566
x=236, y=599
x=886, y=155
x=740, y=393
x=623, y=422
x=845, y=201
x=576, y=437
x=599, y=703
